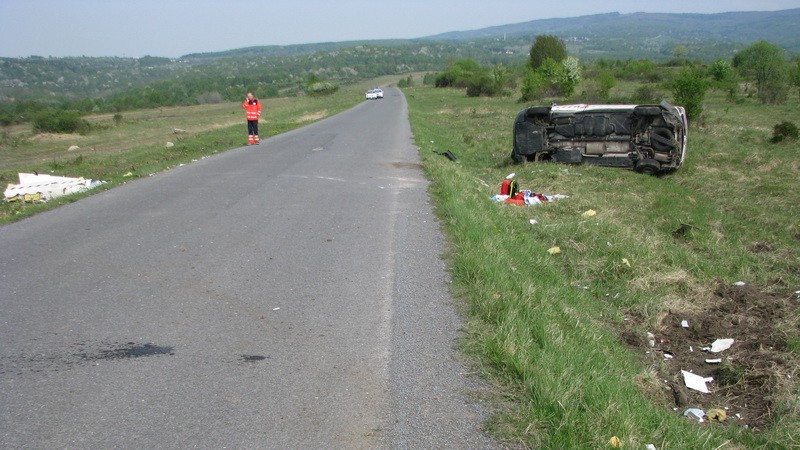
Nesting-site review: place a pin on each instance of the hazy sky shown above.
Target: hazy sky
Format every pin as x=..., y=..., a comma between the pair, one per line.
x=135, y=28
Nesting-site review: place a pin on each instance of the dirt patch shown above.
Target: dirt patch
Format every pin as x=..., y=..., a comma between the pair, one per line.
x=312, y=116
x=756, y=373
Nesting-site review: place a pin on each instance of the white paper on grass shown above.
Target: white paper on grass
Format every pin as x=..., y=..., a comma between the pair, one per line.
x=696, y=382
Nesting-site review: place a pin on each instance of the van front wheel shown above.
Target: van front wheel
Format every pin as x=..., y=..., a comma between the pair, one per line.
x=648, y=166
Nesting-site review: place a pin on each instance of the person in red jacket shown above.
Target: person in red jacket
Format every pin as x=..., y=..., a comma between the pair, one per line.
x=252, y=109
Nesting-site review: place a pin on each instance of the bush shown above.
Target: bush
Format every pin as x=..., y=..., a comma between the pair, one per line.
x=646, y=93
x=321, y=88
x=784, y=131
x=54, y=121
x=689, y=90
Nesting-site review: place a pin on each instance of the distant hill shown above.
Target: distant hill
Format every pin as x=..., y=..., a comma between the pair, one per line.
x=273, y=70
x=652, y=35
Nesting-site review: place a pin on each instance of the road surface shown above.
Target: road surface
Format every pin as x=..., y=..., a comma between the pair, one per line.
x=286, y=295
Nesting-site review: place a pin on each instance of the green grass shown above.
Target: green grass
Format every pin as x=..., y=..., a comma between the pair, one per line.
x=136, y=146
x=549, y=344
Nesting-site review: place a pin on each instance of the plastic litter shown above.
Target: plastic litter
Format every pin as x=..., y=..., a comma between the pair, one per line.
x=719, y=345
x=651, y=339
x=34, y=187
x=696, y=382
x=510, y=193
x=739, y=283
x=685, y=323
x=650, y=447
x=714, y=361
x=589, y=213
x=626, y=262
x=717, y=415
x=695, y=413
x=554, y=250
x=534, y=221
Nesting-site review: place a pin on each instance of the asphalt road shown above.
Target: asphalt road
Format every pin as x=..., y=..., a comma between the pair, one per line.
x=286, y=295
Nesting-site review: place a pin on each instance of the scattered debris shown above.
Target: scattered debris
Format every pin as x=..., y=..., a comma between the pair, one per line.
x=589, y=213
x=717, y=415
x=615, y=442
x=275, y=309
x=685, y=323
x=178, y=131
x=447, y=154
x=720, y=345
x=33, y=187
x=749, y=375
x=534, y=221
x=682, y=230
x=169, y=144
x=695, y=414
x=626, y=262
x=73, y=148
x=740, y=283
x=554, y=250
x=696, y=382
x=510, y=193
x=650, y=447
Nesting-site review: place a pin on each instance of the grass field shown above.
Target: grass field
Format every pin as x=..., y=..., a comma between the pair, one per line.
x=564, y=337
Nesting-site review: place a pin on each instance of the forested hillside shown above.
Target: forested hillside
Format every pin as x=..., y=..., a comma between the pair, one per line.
x=115, y=84
x=650, y=35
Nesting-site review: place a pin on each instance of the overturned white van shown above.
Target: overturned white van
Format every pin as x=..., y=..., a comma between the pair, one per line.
x=647, y=138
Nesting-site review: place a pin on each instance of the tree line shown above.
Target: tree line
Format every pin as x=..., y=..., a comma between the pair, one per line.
x=761, y=70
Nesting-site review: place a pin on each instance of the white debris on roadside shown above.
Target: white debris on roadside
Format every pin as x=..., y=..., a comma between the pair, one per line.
x=719, y=345
x=41, y=188
x=695, y=413
x=696, y=382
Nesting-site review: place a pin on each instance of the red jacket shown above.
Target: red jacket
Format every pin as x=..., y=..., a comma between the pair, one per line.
x=252, y=108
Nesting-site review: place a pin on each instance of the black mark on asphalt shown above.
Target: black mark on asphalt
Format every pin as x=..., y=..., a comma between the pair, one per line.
x=253, y=358
x=79, y=354
x=129, y=350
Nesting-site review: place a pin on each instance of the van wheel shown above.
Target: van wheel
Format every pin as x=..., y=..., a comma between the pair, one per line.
x=518, y=159
x=648, y=167
x=662, y=139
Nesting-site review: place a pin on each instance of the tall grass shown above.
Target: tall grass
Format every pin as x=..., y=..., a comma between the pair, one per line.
x=545, y=327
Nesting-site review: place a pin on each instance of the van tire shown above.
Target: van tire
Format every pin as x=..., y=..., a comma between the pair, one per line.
x=662, y=139
x=648, y=166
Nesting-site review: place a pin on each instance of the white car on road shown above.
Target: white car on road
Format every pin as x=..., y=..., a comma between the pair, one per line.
x=374, y=94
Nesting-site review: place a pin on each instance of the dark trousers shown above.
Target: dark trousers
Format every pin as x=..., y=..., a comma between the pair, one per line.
x=252, y=127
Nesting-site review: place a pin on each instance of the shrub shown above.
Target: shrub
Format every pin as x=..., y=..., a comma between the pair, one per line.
x=784, y=131
x=689, y=90
x=765, y=63
x=321, y=88
x=56, y=121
